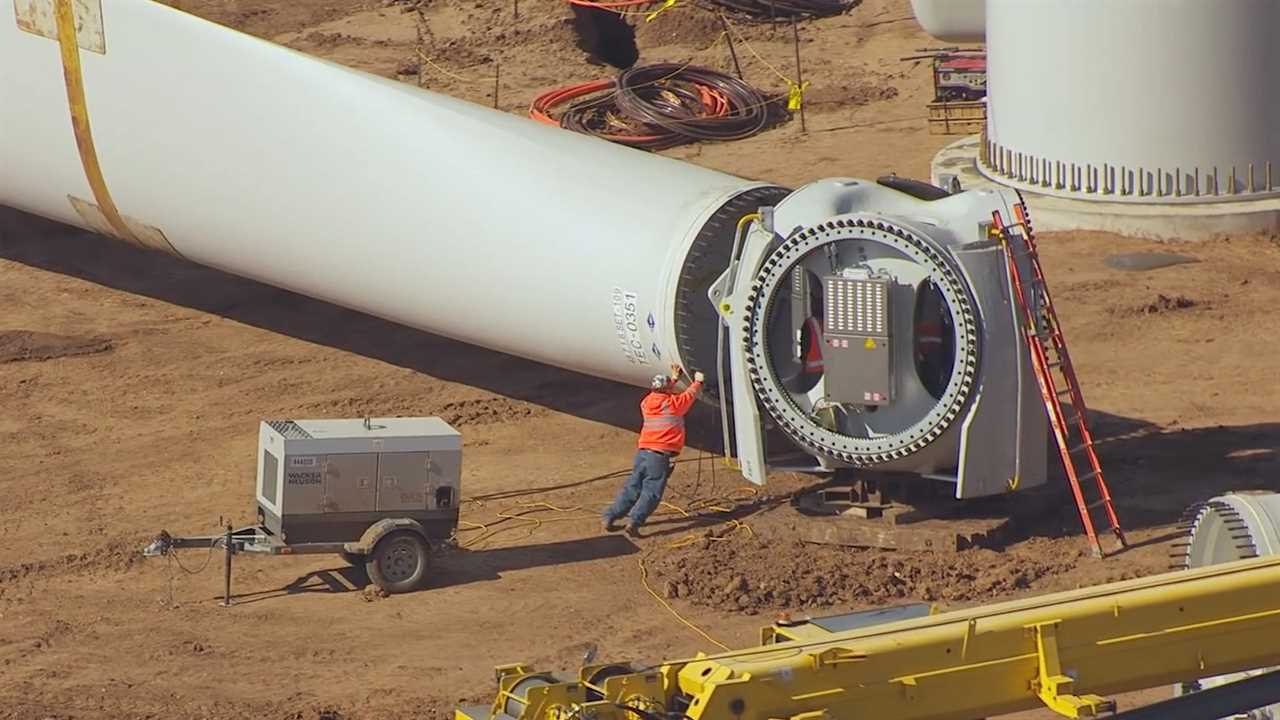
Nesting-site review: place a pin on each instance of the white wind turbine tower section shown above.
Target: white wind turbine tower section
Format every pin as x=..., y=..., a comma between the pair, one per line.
x=140, y=122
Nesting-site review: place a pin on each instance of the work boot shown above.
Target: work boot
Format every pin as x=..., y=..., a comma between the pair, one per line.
x=607, y=525
x=632, y=531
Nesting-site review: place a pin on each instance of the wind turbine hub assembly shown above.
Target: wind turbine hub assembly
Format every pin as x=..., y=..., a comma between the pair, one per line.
x=879, y=329
x=883, y=286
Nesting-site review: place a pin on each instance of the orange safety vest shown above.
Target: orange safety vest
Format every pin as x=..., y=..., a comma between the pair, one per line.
x=664, y=419
x=813, y=355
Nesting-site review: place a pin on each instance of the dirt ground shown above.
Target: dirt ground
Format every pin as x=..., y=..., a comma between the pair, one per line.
x=131, y=385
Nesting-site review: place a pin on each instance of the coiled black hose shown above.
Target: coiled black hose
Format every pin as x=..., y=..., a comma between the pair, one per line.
x=762, y=10
x=675, y=98
x=661, y=106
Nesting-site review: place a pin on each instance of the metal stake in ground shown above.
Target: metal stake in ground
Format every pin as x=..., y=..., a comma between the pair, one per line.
x=516, y=7
x=728, y=36
x=497, y=79
x=226, y=569
x=795, y=34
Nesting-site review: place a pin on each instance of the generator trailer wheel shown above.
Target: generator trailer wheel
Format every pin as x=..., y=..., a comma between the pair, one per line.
x=398, y=563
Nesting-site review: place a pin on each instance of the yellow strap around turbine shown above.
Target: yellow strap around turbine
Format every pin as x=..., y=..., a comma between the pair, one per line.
x=65, y=16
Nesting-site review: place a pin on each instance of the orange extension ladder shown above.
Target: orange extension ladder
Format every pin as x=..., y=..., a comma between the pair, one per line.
x=1049, y=353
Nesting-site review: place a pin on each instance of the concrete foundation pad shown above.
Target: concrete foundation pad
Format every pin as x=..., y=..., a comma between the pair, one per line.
x=942, y=525
x=932, y=535
x=1184, y=221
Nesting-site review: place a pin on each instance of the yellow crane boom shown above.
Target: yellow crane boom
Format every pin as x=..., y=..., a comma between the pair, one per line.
x=1064, y=651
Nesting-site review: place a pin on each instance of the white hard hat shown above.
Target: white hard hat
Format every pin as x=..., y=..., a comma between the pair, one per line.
x=659, y=382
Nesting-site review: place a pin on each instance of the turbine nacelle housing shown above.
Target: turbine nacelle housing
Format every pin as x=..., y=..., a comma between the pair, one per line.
x=877, y=329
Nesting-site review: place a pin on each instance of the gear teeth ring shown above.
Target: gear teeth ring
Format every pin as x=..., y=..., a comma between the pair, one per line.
x=796, y=423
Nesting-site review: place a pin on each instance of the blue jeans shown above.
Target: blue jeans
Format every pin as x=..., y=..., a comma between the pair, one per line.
x=643, y=490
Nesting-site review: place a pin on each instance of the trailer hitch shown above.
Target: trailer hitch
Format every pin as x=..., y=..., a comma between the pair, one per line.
x=160, y=546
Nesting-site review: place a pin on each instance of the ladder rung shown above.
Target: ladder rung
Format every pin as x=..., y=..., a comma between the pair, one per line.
x=1071, y=420
x=1078, y=448
x=1067, y=391
x=1092, y=474
x=1096, y=503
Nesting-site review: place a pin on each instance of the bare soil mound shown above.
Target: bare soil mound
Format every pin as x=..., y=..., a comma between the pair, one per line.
x=853, y=93
x=784, y=574
x=31, y=345
x=691, y=27
x=1164, y=303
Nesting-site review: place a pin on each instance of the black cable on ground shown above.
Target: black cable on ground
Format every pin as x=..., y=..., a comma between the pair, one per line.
x=758, y=10
x=660, y=106
x=600, y=115
x=694, y=102
x=765, y=10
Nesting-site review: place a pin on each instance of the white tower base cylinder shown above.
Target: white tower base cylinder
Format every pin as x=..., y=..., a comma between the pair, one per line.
x=1156, y=221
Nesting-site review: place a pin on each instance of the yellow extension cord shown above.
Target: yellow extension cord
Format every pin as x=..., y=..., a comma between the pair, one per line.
x=533, y=524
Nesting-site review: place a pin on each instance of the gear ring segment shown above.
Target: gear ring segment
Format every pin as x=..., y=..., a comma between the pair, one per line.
x=794, y=412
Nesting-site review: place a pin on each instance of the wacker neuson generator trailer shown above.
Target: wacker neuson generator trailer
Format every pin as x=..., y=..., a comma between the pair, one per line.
x=377, y=492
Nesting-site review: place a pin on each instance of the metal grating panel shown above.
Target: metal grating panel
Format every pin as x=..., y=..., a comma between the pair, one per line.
x=857, y=358
x=270, y=472
x=289, y=429
x=857, y=306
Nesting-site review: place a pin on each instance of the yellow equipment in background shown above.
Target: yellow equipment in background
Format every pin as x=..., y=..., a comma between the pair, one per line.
x=1063, y=651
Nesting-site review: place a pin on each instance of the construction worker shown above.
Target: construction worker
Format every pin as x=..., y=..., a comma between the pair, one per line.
x=661, y=439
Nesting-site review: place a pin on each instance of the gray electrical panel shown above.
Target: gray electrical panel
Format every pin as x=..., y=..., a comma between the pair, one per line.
x=857, y=358
x=329, y=480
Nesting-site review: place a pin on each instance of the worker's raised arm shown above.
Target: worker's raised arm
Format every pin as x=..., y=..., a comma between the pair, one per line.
x=684, y=401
